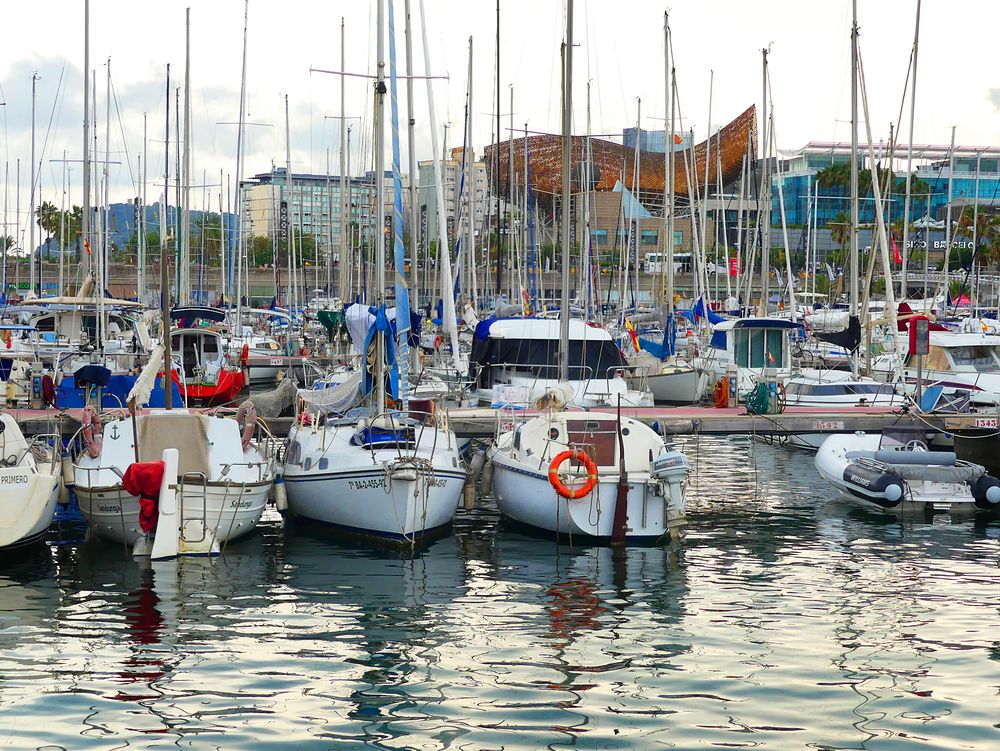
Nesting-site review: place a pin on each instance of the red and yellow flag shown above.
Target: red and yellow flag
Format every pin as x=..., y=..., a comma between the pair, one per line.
x=631, y=333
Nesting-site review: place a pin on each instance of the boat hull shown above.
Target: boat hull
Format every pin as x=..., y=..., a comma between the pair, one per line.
x=27, y=502
x=372, y=502
x=229, y=510
x=525, y=496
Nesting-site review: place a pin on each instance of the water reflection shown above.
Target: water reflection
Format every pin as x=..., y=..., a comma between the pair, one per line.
x=785, y=618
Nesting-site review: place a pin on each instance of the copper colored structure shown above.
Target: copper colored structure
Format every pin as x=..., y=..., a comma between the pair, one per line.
x=614, y=162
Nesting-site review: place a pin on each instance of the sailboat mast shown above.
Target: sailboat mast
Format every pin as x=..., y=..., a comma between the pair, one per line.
x=238, y=203
x=345, y=198
x=469, y=255
x=853, y=264
x=185, y=233
x=764, y=196
x=909, y=161
x=31, y=193
x=566, y=193
x=496, y=166
x=670, y=154
x=380, y=200
x=85, y=220
x=164, y=289
x=412, y=166
x=141, y=224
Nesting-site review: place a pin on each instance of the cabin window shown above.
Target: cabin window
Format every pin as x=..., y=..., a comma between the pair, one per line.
x=760, y=348
x=308, y=463
x=48, y=323
x=981, y=358
x=323, y=463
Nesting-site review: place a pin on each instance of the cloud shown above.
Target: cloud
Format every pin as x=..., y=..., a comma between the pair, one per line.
x=995, y=98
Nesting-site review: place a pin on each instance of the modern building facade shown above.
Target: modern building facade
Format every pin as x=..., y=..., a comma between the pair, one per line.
x=655, y=140
x=314, y=206
x=974, y=179
x=454, y=197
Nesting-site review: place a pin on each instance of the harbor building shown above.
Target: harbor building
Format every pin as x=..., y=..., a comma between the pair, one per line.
x=454, y=197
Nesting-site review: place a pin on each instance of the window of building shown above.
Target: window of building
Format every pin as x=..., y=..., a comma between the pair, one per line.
x=649, y=236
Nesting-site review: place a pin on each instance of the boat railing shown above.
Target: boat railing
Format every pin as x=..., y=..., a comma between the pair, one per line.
x=48, y=443
x=264, y=468
x=640, y=371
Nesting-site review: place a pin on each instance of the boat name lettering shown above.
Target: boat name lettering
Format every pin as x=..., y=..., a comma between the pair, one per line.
x=14, y=480
x=366, y=484
x=437, y=482
x=859, y=480
x=986, y=422
x=108, y=509
x=240, y=504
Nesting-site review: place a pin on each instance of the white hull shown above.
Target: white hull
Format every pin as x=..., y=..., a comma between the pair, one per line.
x=229, y=510
x=681, y=386
x=27, y=501
x=372, y=502
x=524, y=495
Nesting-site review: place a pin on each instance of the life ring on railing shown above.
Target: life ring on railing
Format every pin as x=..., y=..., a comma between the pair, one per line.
x=246, y=418
x=92, y=435
x=438, y=342
x=245, y=355
x=574, y=455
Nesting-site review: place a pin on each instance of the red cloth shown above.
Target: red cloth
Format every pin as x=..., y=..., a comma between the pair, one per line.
x=144, y=479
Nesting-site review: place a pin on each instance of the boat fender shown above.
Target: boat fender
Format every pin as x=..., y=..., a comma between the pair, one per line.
x=875, y=483
x=486, y=479
x=280, y=494
x=573, y=455
x=245, y=355
x=476, y=464
x=985, y=491
x=68, y=474
x=92, y=436
x=246, y=418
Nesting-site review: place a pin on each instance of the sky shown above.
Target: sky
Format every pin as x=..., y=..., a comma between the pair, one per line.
x=618, y=49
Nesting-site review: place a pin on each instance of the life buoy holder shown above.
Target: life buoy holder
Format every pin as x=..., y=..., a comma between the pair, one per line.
x=92, y=436
x=574, y=455
x=246, y=418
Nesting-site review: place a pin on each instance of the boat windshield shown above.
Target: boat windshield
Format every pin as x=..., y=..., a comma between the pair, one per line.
x=981, y=357
x=587, y=358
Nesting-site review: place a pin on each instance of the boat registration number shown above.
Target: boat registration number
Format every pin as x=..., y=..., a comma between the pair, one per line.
x=986, y=422
x=829, y=425
x=275, y=361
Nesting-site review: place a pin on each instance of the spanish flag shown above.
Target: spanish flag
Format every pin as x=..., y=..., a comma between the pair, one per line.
x=631, y=333
x=86, y=244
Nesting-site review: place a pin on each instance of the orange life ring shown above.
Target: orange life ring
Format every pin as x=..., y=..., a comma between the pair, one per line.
x=574, y=455
x=246, y=418
x=438, y=342
x=92, y=436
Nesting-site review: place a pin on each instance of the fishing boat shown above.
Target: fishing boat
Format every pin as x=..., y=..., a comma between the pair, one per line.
x=205, y=374
x=883, y=473
x=29, y=485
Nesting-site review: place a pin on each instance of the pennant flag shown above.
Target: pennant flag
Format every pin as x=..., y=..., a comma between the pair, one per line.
x=896, y=257
x=678, y=140
x=631, y=333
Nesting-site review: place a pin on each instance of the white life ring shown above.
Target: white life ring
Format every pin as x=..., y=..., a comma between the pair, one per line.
x=246, y=418
x=92, y=435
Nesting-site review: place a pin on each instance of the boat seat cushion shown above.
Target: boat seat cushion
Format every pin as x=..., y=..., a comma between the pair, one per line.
x=959, y=473
x=929, y=458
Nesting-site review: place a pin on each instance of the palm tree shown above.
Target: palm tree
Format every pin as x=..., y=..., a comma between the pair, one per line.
x=840, y=232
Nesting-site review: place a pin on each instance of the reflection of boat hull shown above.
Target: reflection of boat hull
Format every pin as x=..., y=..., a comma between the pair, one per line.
x=229, y=510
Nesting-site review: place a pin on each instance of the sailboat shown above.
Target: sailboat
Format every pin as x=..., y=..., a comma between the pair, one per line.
x=626, y=482
x=377, y=473
x=173, y=481
x=29, y=485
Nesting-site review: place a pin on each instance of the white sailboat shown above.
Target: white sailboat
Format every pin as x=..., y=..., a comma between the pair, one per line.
x=29, y=485
x=627, y=484
x=392, y=475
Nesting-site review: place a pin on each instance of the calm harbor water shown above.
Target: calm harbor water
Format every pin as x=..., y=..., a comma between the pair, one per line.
x=783, y=619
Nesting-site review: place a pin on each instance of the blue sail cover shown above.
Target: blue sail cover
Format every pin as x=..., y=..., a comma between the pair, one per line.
x=399, y=253
x=381, y=326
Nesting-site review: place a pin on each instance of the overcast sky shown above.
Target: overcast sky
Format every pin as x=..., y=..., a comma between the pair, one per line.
x=619, y=49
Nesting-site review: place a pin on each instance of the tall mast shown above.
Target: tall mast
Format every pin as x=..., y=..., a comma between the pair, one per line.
x=185, y=233
x=566, y=193
x=496, y=163
x=85, y=221
x=345, y=198
x=380, y=200
x=588, y=180
x=238, y=205
x=164, y=258
x=853, y=265
x=62, y=230
x=290, y=224
x=141, y=228
x=412, y=158
x=470, y=182
x=909, y=160
x=670, y=153
x=31, y=193
x=764, y=199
